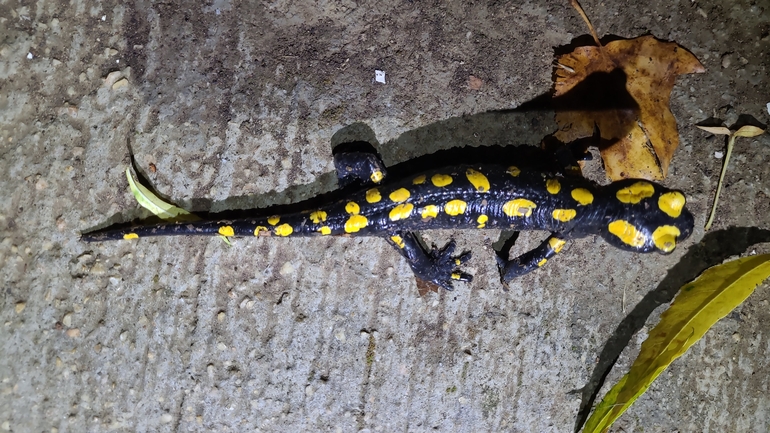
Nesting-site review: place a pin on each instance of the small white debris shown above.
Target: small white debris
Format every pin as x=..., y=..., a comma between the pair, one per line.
x=29, y=56
x=104, y=17
x=218, y=12
x=166, y=418
x=379, y=76
x=719, y=155
x=768, y=108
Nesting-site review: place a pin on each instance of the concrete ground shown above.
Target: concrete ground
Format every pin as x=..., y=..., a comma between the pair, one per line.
x=228, y=105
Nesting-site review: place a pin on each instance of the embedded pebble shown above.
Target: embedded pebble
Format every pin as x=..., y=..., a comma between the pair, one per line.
x=73, y=333
x=166, y=418
x=120, y=83
x=718, y=155
x=286, y=269
x=221, y=316
x=112, y=78
x=67, y=320
x=340, y=335
x=20, y=307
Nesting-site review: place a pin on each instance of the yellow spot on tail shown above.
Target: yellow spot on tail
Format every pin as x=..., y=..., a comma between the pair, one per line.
x=130, y=236
x=456, y=275
x=557, y=244
x=284, y=230
x=258, y=230
x=541, y=262
x=325, y=230
x=377, y=176
x=400, y=195
x=513, y=171
x=627, y=233
x=564, y=215
x=482, y=220
x=429, y=211
x=401, y=212
x=440, y=180
x=273, y=220
x=553, y=186
x=635, y=193
x=419, y=180
x=478, y=180
x=355, y=223
x=519, y=207
x=455, y=207
x=672, y=203
x=582, y=196
x=318, y=216
x=226, y=231
x=664, y=238
x=373, y=195
x=352, y=208
x=398, y=240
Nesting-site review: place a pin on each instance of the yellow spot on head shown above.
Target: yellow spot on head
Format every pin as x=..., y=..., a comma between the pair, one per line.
x=564, y=215
x=325, y=230
x=672, y=203
x=226, y=231
x=355, y=223
x=373, y=196
x=130, y=236
x=401, y=212
x=556, y=244
x=478, y=180
x=627, y=233
x=273, y=220
x=664, y=238
x=482, y=220
x=553, y=186
x=377, y=176
x=455, y=207
x=513, y=171
x=635, y=193
x=541, y=262
x=519, y=207
x=429, y=211
x=352, y=208
x=258, y=230
x=440, y=180
x=419, y=180
x=399, y=195
x=318, y=216
x=582, y=196
x=398, y=240
x=284, y=230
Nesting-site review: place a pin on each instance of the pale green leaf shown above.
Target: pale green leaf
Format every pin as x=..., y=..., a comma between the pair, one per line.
x=719, y=130
x=748, y=131
x=699, y=305
x=151, y=202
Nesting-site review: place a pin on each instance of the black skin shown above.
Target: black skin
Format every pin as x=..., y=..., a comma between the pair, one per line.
x=458, y=205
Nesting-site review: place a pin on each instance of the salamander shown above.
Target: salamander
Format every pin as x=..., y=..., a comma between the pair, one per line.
x=633, y=215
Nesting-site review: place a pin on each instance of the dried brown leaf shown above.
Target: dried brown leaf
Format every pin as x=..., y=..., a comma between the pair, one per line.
x=718, y=130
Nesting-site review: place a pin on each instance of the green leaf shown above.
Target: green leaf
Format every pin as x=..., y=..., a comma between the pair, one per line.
x=151, y=202
x=699, y=305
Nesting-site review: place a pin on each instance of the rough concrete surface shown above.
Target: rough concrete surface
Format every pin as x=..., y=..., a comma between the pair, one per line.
x=228, y=105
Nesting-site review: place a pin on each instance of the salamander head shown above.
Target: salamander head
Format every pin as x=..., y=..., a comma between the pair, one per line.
x=645, y=217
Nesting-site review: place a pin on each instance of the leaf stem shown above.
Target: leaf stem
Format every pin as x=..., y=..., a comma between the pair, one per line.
x=730, y=144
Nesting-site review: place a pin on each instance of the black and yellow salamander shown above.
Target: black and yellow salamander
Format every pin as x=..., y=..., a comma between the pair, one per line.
x=634, y=215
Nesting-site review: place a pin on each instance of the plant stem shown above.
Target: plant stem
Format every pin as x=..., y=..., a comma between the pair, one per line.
x=730, y=144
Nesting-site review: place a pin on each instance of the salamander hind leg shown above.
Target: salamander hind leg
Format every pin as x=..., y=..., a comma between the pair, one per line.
x=358, y=162
x=531, y=260
x=437, y=266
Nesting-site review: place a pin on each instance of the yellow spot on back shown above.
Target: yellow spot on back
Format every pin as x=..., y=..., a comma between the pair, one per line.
x=429, y=211
x=513, y=171
x=376, y=176
x=399, y=195
x=318, y=216
x=284, y=230
x=635, y=193
x=273, y=220
x=478, y=180
x=664, y=238
x=564, y=215
x=440, y=180
x=419, y=180
x=258, y=230
x=672, y=203
x=627, y=233
x=519, y=207
x=582, y=196
x=557, y=244
x=352, y=208
x=553, y=186
x=482, y=220
x=130, y=236
x=373, y=195
x=226, y=231
x=455, y=207
x=401, y=212
x=541, y=262
x=398, y=240
x=355, y=223
x=325, y=230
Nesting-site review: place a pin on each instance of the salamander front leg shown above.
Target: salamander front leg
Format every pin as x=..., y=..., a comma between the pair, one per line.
x=358, y=162
x=531, y=260
x=436, y=266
